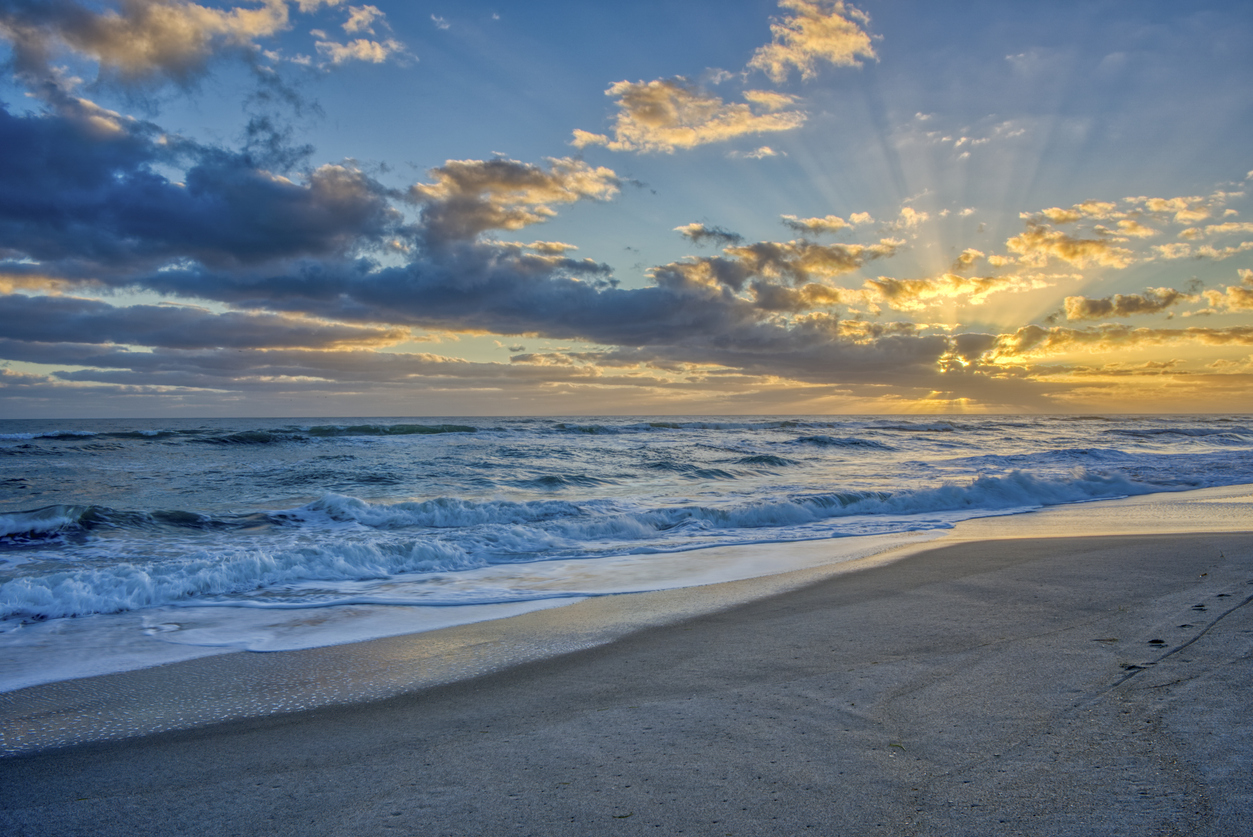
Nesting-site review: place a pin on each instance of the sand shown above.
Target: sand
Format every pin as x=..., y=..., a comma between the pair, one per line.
x=1035, y=685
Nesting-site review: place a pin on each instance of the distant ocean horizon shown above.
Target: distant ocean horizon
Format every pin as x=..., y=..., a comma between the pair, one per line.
x=183, y=533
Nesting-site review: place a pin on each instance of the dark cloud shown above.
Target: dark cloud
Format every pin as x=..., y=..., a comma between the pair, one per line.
x=70, y=319
x=700, y=234
x=1152, y=301
x=83, y=189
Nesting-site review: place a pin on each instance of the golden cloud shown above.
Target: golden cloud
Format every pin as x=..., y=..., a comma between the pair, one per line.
x=1087, y=209
x=966, y=258
x=1173, y=251
x=1038, y=341
x=1236, y=297
x=1040, y=241
x=470, y=196
x=1230, y=227
x=815, y=31
x=773, y=297
x=550, y=248
x=1220, y=253
x=910, y=218
x=769, y=100
x=666, y=114
x=148, y=37
x=797, y=261
x=1133, y=228
x=918, y=294
x=1186, y=210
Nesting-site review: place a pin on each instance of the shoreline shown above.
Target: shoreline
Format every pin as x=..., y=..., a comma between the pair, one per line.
x=234, y=686
x=1041, y=685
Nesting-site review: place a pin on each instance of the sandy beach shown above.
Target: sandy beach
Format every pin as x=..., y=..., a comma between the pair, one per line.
x=1094, y=684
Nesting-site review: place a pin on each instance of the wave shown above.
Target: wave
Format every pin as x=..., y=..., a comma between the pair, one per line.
x=1191, y=432
x=126, y=586
x=1016, y=490
x=59, y=520
x=842, y=442
x=559, y=481
x=766, y=459
x=253, y=436
x=446, y=535
x=654, y=426
x=388, y=429
x=437, y=513
x=692, y=471
x=916, y=427
x=597, y=519
x=48, y=434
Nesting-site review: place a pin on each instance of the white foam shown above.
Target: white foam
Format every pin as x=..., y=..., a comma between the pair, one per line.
x=70, y=648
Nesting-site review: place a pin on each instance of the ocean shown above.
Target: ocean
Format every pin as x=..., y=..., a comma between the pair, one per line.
x=129, y=543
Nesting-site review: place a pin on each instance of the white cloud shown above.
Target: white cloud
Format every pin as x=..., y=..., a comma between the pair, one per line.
x=756, y=154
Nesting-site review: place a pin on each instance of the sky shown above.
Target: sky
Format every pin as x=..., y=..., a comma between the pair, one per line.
x=321, y=208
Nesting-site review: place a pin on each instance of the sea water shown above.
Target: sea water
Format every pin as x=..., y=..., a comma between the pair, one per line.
x=132, y=543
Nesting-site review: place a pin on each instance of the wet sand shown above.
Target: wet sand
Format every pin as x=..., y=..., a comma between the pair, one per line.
x=1038, y=685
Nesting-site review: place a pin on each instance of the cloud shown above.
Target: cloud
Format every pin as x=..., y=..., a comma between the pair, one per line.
x=1040, y=241
x=66, y=319
x=1173, y=251
x=359, y=49
x=1236, y=297
x=440, y=23
x=920, y=294
x=700, y=234
x=1152, y=301
x=1185, y=210
x=469, y=197
x=769, y=100
x=361, y=19
x=1133, y=228
x=1037, y=341
x=1220, y=253
x=757, y=154
x=772, y=297
x=1229, y=227
x=827, y=224
x=798, y=261
x=145, y=40
x=910, y=218
x=662, y=115
x=814, y=31
x=1087, y=209
x=550, y=248
x=966, y=258
x=82, y=194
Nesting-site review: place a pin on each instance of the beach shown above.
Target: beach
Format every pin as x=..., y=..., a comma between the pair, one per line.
x=1037, y=674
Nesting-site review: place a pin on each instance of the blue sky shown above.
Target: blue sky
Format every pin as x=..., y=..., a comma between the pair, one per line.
x=328, y=208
